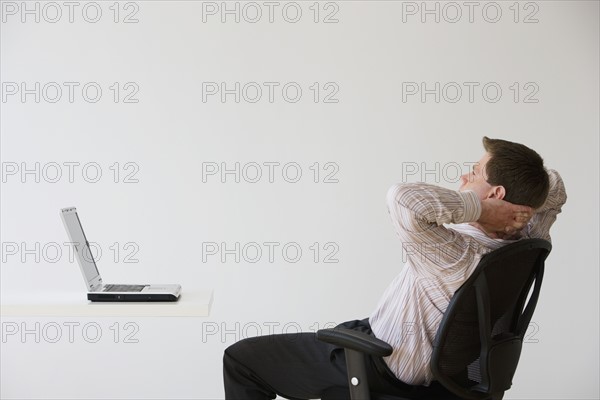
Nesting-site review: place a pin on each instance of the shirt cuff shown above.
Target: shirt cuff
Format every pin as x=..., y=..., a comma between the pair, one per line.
x=472, y=207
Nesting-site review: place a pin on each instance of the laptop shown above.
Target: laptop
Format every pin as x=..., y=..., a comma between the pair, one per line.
x=98, y=291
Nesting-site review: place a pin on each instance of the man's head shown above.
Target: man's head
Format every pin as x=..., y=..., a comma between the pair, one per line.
x=509, y=171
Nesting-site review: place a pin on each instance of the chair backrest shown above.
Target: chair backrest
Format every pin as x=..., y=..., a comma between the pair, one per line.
x=478, y=343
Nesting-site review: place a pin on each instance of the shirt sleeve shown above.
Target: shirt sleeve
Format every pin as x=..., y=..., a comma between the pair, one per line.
x=418, y=212
x=545, y=216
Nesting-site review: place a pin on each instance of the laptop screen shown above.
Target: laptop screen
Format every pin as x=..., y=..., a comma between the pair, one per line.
x=84, y=255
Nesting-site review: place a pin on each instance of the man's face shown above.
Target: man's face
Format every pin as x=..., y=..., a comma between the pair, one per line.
x=476, y=180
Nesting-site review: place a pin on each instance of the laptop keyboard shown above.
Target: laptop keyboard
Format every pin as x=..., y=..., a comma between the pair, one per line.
x=123, y=288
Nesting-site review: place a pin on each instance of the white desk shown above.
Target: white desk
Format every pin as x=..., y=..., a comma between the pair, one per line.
x=192, y=303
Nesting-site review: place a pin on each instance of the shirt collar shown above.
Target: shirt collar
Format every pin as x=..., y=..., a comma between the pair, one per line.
x=480, y=236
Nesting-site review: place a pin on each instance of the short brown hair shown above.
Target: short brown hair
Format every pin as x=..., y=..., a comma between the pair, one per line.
x=519, y=169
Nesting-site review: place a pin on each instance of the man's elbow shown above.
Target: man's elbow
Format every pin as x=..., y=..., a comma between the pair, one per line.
x=398, y=191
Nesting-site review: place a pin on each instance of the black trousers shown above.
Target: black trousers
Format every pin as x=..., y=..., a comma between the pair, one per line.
x=298, y=366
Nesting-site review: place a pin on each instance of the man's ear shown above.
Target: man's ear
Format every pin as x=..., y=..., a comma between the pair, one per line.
x=497, y=192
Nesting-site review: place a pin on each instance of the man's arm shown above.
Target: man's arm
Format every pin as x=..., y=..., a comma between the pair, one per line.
x=544, y=217
x=419, y=210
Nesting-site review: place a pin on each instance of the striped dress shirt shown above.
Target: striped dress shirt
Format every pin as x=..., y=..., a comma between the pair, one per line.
x=439, y=259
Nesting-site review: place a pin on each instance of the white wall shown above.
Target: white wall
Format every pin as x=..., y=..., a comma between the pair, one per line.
x=370, y=136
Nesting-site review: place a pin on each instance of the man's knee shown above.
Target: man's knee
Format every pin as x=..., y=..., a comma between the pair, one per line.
x=243, y=370
x=235, y=351
x=237, y=359
x=247, y=348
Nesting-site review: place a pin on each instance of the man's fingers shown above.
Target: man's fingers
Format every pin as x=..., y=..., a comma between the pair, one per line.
x=515, y=226
x=526, y=208
x=522, y=218
x=518, y=223
x=523, y=210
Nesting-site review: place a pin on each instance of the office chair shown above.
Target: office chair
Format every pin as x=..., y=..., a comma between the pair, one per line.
x=478, y=342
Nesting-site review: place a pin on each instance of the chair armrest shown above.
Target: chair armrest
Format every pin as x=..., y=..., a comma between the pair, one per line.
x=355, y=340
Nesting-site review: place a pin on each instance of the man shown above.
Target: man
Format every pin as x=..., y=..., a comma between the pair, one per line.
x=509, y=195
